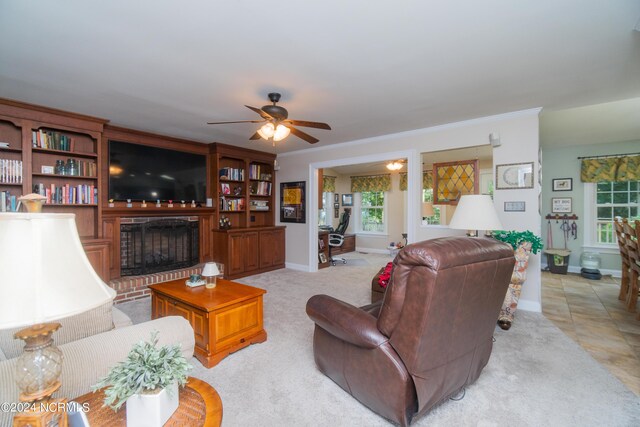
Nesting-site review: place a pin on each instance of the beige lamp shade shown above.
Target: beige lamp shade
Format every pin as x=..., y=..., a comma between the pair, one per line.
x=475, y=212
x=210, y=269
x=427, y=209
x=45, y=274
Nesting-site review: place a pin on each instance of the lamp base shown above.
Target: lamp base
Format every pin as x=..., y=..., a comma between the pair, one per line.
x=43, y=413
x=37, y=372
x=211, y=282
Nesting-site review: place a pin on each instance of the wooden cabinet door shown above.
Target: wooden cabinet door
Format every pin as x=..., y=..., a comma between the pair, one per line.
x=236, y=254
x=206, y=243
x=251, y=252
x=266, y=250
x=271, y=248
x=278, y=247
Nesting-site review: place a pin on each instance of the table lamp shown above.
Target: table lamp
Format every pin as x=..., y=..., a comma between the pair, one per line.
x=427, y=209
x=45, y=276
x=475, y=212
x=210, y=271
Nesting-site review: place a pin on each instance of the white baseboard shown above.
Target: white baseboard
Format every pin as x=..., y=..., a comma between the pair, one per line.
x=528, y=305
x=372, y=250
x=298, y=267
x=576, y=269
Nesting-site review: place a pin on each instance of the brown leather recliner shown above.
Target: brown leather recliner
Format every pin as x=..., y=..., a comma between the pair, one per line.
x=430, y=336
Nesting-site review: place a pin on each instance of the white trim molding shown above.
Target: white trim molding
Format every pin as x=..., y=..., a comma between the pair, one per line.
x=297, y=267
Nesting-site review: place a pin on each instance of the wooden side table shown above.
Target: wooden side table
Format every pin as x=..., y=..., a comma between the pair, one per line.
x=200, y=405
x=224, y=319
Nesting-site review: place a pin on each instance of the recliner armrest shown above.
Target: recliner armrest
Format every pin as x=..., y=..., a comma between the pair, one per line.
x=345, y=321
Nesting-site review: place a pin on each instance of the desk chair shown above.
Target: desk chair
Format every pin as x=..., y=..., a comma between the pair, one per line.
x=336, y=237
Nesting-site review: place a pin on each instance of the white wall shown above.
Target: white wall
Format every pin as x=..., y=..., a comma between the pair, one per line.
x=519, y=137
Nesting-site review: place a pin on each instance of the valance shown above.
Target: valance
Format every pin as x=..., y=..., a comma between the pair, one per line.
x=427, y=180
x=329, y=184
x=361, y=184
x=616, y=169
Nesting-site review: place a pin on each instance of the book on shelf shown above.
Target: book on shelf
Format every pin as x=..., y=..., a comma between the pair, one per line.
x=10, y=171
x=257, y=171
x=8, y=202
x=51, y=140
x=261, y=188
x=231, y=174
x=259, y=205
x=227, y=204
x=67, y=194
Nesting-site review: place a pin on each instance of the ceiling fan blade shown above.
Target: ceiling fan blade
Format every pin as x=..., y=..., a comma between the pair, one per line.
x=237, y=121
x=303, y=123
x=297, y=132
x=259, y=111
x=255, y=136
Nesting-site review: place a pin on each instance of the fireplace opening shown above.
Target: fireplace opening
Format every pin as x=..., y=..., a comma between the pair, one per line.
x=157, y=245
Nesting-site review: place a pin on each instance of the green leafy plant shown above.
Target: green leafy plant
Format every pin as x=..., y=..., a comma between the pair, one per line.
x=514, y=238
x=146, y=369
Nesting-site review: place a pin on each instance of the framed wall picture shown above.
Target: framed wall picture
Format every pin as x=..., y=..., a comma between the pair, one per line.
x=347, y=200
x=336, y=213
x=336, y=198
x=561, y=205
x=562, y=184
x=292, y=202
x=336, y=205
x=514, y=206
x=514, y=176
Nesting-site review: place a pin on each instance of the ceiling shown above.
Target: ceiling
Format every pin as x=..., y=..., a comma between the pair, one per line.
x=367, y=68
x=594, y=124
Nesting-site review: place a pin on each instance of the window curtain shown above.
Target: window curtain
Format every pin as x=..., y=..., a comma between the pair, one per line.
x=427, y=180
x=329, y=184
x=361, y=184
x=403, y=181
x=616, y=169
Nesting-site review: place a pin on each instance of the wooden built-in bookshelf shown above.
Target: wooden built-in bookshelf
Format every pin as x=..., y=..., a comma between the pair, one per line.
x=39, y=137
x=244, y=181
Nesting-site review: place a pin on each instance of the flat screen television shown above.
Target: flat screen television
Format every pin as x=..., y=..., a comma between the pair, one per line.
x=143, y=172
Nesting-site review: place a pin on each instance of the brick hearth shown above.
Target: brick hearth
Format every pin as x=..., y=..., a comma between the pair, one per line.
x=135, y=287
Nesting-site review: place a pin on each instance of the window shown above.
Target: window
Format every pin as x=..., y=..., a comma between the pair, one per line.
x=614, y=199
x=372, y=212
x=324, y=213
x=427, y=196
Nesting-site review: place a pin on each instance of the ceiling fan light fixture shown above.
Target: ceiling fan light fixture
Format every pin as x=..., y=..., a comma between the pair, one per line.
x=281, y=133
x=266, y=131
x=394, y=166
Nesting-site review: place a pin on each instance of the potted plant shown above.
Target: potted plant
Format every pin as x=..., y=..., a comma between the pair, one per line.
x=524, y=243
x=148, y=381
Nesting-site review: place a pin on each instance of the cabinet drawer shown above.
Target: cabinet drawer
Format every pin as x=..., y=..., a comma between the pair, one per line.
x=237, y=322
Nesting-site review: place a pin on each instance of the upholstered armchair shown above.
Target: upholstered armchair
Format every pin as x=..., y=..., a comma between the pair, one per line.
x=430, y=335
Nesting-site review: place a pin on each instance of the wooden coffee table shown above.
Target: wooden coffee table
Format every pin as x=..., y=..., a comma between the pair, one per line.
x=224, y=319
x=199, y=405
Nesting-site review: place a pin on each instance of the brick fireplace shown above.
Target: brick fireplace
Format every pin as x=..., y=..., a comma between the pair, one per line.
x=155, y=250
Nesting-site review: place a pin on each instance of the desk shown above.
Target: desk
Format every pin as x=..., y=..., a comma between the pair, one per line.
x=199, y=405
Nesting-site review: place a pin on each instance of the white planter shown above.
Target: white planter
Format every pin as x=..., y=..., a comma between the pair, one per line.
x=152, y=410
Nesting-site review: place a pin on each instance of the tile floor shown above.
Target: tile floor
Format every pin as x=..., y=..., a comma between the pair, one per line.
x=589, y=312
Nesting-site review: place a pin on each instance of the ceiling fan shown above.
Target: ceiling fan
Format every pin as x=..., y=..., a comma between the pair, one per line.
x=277, y=125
